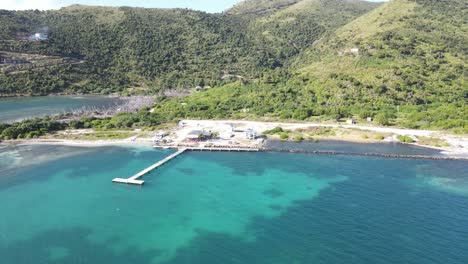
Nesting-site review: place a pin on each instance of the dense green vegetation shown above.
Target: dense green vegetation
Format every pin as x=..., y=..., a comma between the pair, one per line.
x=295, y=28
x=410, y=70
x=30, y=128
x=256, y=7
x=273, y=131
x=403, y=63
x=405, y=139
x=149, y=50
x=40, y=126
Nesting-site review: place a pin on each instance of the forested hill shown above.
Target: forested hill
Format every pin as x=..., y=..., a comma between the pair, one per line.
x=259, y=7
x=404, y=63
x=105, y=49
x=296, y=27
x=405, y=59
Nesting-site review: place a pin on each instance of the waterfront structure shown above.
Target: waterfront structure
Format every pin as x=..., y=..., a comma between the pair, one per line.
x=135, y=179
x=198, y=135
x=251, y=134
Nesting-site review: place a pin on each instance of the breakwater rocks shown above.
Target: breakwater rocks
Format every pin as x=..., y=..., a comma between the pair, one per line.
x=379, y=155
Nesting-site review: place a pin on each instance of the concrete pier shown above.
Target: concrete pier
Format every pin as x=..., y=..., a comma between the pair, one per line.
x=134, y=179
x=128, y=181
x=223, y=149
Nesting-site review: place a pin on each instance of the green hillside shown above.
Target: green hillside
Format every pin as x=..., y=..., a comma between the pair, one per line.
x=401, y=63
x=260, y=7
x=410, y=70
x=412, y=56
x=149, y=50
x=298, y=26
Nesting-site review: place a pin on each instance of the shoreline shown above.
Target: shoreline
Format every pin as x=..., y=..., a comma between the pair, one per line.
x=149, y=144
x=458, y=144
x=146, y=144
x=57, y=95
x=79, y=143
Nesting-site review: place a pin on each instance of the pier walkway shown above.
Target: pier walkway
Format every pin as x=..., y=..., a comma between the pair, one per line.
x=223, y=149
x=134, y=179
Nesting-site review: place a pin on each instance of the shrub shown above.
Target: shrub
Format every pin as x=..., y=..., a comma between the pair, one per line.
x=382, y=120
x=405, y=139
x=284, y=136
x=273, y=131
x=365, y=114
x=380, y=137
x=298, y=138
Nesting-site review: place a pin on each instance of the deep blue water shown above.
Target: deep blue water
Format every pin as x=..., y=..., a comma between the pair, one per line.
x=229, y=208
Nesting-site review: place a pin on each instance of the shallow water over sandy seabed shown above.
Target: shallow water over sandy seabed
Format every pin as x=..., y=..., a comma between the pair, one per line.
x=229, y=208
x=18, y=108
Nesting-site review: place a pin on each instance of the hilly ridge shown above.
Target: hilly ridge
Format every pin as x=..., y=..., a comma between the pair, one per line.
x=412, y=54
x=152, y=50
x=128, y=47
x=296, y=27
x=401, y=63
x=247, y=7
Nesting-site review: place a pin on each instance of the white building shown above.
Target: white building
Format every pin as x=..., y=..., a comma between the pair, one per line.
x=38, y=37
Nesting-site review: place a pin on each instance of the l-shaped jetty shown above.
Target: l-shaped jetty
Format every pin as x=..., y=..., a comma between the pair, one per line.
x=135, y=178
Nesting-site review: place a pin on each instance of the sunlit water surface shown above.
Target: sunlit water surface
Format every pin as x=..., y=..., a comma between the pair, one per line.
x=58, y=205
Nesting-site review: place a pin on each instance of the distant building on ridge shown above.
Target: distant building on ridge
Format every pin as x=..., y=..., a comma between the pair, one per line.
x=38, y=37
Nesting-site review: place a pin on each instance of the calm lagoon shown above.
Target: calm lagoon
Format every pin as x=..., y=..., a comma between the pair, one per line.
x=18, y=108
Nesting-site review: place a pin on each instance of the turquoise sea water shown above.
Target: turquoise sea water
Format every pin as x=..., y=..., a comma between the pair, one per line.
x=58, y=205
x=17, y=108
